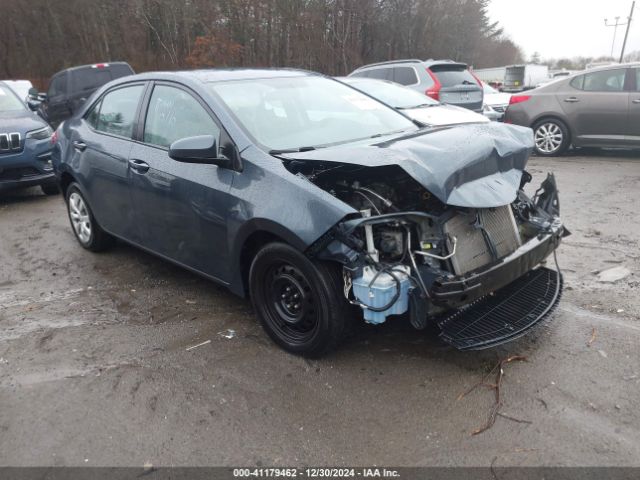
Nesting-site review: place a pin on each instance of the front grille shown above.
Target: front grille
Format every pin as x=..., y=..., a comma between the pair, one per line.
x=506, y=314
x=10, y=142
x=477, y=232
x=18, y=173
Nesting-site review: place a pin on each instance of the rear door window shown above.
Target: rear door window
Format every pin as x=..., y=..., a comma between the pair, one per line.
x=405, y=76
x=381, y=73
x=637, y=79
x=453, y=75
x=605, y=81
x=56, y=88
x=117, y=111
x=90, y=79
x=174, y=114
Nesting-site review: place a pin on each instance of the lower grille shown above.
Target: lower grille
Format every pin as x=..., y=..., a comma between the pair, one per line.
x=483, y=236
x=18, y=173
x=505, y=314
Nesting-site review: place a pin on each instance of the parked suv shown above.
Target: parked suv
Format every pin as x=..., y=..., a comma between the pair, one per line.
x=443, y=80
x=70, y=88
x=596, y=108
x=25, y=146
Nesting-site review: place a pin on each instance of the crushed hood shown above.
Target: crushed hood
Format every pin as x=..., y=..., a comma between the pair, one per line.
x=478, y=166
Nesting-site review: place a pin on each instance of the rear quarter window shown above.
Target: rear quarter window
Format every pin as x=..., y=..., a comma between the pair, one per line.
x=405, y=76
x=577, y=82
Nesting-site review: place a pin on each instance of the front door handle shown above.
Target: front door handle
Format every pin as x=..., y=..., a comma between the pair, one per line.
x=80, y=146
x=571, y=100
x=637, y=100
x=138, y=165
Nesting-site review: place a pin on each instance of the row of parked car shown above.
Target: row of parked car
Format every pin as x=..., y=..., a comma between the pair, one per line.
x=596, y=108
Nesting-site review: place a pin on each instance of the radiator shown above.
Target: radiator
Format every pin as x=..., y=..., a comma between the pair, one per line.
x=472, y=249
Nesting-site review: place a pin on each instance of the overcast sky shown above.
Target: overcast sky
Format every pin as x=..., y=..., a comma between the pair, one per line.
x=566, y=28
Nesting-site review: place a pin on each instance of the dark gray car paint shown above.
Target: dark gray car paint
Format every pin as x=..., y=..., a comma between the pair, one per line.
x=217, y=212
x=477, y=165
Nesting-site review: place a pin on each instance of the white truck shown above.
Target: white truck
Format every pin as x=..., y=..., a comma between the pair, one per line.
x=524, y=77
x=491, y=76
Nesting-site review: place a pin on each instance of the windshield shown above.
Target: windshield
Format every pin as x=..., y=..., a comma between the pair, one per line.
x=392, y=94
x=488, y=89
x=304, y=112
x=9, y=102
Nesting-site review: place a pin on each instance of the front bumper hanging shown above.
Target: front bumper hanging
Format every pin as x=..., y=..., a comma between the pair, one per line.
x=505, y=314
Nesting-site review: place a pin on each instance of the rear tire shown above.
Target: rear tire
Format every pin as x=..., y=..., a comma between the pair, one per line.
x=50, y=189
x=83, y=223
x=299, y=302
x=551, y=137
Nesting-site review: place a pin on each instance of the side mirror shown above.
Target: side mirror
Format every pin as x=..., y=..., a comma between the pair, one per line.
x=201, y=149
x=33, y=105
x=33, y=92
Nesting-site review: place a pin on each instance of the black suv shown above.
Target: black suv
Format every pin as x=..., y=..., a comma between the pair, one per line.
x=70, y=88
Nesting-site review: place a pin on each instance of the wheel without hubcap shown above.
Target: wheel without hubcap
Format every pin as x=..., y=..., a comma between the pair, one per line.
x=298, y=301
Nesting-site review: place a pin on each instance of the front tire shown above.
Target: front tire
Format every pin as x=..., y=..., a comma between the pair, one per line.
x=551, y=137
x=50, y=189
x=84, y=225
x=298, y=301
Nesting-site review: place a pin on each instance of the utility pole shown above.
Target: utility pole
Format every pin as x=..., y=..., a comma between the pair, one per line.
x=615, y=30
x=626, y=35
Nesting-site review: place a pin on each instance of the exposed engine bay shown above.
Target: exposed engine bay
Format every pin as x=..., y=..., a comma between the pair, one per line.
x=407, y=251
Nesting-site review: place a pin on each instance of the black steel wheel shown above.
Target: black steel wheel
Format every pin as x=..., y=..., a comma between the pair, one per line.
x=298, y=302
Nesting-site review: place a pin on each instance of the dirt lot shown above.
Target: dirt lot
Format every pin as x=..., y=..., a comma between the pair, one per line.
x=94, y=371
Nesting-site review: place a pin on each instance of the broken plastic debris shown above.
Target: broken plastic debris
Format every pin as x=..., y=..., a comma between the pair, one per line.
x=613, y=275
x=198, y=345
x=620, y=310
x=229, y=333
x=602, y=353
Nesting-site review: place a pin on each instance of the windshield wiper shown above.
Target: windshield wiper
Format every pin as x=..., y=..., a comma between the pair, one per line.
x=378, y=135
x=421, y=105
x=291, y=150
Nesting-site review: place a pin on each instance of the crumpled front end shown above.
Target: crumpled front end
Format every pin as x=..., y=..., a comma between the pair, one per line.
x=474, y=272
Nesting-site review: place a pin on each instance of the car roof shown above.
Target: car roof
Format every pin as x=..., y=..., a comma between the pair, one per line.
x=428, y=63
x=93, y=65
x=223, y=74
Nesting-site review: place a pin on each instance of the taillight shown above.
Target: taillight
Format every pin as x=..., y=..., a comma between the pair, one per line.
x=434, y=92
x=518, y=99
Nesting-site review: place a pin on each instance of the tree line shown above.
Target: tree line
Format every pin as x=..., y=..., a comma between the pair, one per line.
x=40, y=37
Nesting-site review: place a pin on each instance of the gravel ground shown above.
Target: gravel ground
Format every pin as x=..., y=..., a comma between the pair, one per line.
x=94, y=368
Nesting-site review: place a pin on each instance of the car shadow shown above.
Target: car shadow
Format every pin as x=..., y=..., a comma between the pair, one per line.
x=25, y=195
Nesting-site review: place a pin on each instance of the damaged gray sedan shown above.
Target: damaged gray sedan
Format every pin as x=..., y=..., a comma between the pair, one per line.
x=323, y=205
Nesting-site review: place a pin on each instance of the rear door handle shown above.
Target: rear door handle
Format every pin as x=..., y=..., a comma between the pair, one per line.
x=636, y=101
x=138, y=165
x=80, y=146
x=571, y=100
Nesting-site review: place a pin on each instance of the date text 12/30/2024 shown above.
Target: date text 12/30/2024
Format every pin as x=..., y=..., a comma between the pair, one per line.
x=315, y=472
